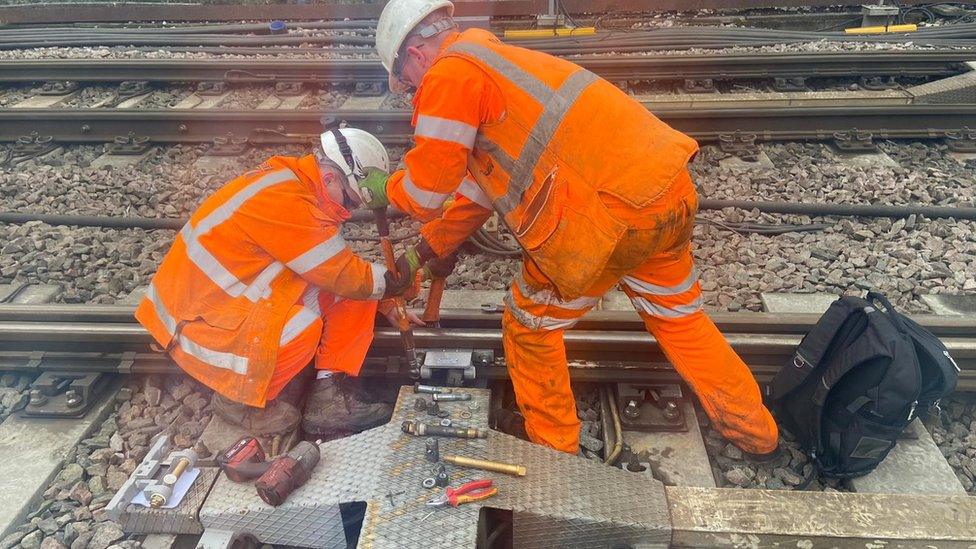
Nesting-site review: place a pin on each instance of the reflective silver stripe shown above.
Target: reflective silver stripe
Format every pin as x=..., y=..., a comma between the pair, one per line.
x=660, y=311
x=534, y=322
x=520, y=179
x=379, y=281
x=547, y=297
x=497, y=153
x=528, y=83
x=653, y=289
x=470, y=190
x=206, y=261
x=161, y=311
x=425, y=199
x=318, y=255
x=217, y=359
x=305, y=317
x=445, y=129
x=224, y=211
x=261, y=286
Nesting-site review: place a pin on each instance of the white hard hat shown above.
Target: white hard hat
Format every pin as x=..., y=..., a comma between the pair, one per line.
x=398, y=20
x=354, y=151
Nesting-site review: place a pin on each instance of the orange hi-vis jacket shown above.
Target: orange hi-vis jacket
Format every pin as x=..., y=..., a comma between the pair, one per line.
x=221, y=298
x=541, y=141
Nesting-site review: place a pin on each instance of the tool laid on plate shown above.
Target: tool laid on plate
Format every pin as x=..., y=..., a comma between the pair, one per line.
x=485, y=465
x=419, y=429
x=276, y=479
x=476, y=490
x=152, y=485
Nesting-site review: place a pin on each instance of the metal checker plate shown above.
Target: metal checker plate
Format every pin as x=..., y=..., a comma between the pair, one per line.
x=565, y=491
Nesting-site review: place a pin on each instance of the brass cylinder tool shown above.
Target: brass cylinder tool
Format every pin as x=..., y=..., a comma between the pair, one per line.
x=400, y=306
x=440, y=397
x=181, y=465
x=496, y=466
x=419, y=429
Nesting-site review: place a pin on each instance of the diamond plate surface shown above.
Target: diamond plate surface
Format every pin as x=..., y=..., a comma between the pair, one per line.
x=181, y=519
x=563, y=501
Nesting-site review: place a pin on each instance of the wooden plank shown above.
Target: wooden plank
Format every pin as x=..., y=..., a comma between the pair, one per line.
x=726, y=517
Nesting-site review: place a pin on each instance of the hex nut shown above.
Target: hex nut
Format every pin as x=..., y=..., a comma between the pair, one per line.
x=445, y=422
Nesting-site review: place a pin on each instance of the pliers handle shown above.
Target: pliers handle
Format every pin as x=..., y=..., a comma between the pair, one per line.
x=476, y=490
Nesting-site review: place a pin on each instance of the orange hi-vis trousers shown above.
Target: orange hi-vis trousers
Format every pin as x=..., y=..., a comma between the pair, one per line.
x=654, y=266
x=337, y=340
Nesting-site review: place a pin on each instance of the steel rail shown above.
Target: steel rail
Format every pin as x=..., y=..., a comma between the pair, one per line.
x=617, y=68
x=623, y=321
x=272, y=127
x=136, y=11
x=596, y=355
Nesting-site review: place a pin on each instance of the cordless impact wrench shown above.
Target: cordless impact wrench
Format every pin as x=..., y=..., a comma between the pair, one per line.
x=276, y=479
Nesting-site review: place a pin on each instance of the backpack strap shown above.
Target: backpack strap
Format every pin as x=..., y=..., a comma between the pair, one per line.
x=813, y=346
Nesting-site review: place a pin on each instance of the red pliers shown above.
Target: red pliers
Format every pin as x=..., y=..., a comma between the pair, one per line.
x=476, y=490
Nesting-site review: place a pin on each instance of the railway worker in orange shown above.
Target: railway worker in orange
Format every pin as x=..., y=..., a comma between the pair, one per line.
x=260, y=282
x=593, y=186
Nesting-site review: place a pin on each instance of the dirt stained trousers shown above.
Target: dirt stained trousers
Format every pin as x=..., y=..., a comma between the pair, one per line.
x=323, y=338
x=653, y=265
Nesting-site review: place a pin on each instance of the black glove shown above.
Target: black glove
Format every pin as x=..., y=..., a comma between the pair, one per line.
x=407, y=266
x=441, y=267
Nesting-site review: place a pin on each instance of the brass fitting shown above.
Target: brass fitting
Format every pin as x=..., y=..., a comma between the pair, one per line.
x=496, y=466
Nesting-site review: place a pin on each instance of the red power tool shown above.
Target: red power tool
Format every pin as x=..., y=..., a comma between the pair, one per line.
x=277, y=478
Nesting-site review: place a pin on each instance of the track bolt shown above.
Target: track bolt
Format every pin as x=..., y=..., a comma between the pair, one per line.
x=85, y=128
x=670, y=410
x=632, y=410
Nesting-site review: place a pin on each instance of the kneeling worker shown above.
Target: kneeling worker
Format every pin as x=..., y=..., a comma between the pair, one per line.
x=260, y=282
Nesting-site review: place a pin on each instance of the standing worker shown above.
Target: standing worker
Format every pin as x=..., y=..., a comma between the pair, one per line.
x=594, y=187
x=260, y=282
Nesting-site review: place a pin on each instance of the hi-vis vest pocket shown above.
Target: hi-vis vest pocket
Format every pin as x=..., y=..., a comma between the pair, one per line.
x=577, y=250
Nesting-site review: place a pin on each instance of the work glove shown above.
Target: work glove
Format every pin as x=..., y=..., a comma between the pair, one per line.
x=441, y=267
x=372, y=189
x=407, y=266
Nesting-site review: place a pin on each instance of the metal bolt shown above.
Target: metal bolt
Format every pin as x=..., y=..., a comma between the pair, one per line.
x=433, y=450
x=632, y=410
x=442, y=397
x=670, y=410
x=156, y=501
x=37, y=398
x=442, y=479
x=72, y=399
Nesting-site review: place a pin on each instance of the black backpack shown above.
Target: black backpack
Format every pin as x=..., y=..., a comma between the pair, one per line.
x=858, y=378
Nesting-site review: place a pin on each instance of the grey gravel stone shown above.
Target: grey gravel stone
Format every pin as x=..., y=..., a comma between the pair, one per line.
x=740, y=476
x=52, y=542
x=32, y=540
x=105, y=534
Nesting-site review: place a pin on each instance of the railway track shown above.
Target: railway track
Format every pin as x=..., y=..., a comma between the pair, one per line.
x=605, y=347
x=145, y=11
x=276, y=126
x=614, y=68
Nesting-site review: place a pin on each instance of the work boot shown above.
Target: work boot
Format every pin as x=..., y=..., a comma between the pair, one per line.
x=335, y=408
x=510, y=422
x=278, y=417
x=776, y=458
